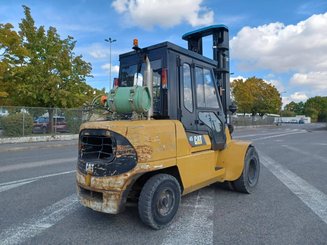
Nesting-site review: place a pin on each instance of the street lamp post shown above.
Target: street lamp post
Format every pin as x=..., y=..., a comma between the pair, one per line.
x=110, y=41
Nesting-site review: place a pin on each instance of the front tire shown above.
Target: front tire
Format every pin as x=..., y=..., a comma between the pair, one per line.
x=247, y=182
x=159, y=201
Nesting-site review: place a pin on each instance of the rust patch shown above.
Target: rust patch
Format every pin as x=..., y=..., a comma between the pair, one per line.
x=80, y=178
x=113, y=182
x=144, y=153
x=110, y=203
x=123, y=150
x=153, y=139
x=112, y=188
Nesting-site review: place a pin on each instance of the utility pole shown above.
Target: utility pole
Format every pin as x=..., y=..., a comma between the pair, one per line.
x=110, y=41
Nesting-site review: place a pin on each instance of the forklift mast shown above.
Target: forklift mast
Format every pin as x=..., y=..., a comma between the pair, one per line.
x=220, y=40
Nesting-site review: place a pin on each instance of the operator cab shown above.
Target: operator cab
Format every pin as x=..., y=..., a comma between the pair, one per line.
x=187, y=86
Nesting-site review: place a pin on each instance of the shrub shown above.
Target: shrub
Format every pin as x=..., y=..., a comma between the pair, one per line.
x=1, y=122
x=17, y=124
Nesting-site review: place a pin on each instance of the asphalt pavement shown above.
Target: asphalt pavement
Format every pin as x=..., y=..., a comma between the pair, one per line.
x=38, y=204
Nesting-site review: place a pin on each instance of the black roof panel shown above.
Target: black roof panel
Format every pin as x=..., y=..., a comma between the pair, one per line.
x=174, y=47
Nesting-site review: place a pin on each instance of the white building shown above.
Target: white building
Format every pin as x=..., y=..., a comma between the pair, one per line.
x=297, y=119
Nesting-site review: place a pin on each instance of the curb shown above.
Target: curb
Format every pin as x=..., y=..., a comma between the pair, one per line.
x=38, y=139
x=256, y=126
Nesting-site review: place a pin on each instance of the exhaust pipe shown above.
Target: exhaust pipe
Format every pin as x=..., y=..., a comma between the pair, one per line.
x=148, y=80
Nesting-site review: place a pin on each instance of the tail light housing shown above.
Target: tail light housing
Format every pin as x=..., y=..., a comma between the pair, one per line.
x=164, y=79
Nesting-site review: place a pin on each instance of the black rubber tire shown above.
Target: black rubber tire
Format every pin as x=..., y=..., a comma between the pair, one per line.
x=248, y=181
x=149, y=200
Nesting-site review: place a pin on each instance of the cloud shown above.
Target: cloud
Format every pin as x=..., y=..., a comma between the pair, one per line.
x=280, y=48
x=299, y=96
x=296, y=97
x=164, y=13
x=114, y=68
x=238, y=78
x=101, y=51
x=278, y=85
x=317, y=80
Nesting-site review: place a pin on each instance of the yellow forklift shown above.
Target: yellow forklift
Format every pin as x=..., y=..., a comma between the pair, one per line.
x=166, y=133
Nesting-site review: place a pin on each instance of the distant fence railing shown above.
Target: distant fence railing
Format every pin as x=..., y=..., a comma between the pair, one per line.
x=248, y=120
x=33, y=121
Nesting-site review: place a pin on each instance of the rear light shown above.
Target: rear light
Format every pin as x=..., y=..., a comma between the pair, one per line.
x=164, y=78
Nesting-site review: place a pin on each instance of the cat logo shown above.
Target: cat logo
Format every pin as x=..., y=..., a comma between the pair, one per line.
x=89, y=168
x=196, y=140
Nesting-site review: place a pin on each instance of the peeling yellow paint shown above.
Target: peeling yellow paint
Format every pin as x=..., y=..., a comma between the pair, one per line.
x=144, y=153
x=109, y=204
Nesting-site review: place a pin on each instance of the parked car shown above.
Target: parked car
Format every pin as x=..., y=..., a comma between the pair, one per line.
x=42, y=125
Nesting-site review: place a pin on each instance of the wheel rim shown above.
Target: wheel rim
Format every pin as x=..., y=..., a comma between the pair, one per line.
x=166, y=202
x=252, y=172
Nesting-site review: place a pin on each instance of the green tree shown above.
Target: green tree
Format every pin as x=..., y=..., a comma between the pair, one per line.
x=40, y=69
x=300, y=108
x=12, y=54
x=287, y=113
x=316, y=108
x=254, y=96
x=297, y=108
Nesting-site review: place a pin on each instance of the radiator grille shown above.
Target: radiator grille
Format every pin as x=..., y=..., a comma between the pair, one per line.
x=105, y=153
x=97, y=147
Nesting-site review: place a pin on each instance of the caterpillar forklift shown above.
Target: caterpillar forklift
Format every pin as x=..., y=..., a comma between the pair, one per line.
x=166, y=132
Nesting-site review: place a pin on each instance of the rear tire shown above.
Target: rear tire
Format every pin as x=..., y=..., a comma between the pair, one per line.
x=247, y=182
x=159, y=201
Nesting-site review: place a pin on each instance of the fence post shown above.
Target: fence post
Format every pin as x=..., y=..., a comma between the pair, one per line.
x=23, y=111
x=55, y=121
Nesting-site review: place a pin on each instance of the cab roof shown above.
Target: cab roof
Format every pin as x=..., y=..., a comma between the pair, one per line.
x=171, y=46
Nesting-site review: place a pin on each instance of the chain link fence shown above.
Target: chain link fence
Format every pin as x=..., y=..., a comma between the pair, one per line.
x=34, y=121
x=249, y=120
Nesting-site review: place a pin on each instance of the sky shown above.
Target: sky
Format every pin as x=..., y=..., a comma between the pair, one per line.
x=283, y=42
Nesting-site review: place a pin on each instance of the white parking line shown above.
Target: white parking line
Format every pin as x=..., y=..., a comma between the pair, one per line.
x=196, y=227
x=251, y=135
x=310, y=155
x=13, y=184
x=37, y=224
x=11, y=167
x=311, y=196
x=279, y=135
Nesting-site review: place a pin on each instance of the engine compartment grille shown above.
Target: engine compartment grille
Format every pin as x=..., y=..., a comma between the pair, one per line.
x=97, y=147
x=105, y=153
